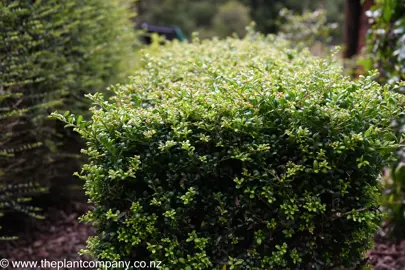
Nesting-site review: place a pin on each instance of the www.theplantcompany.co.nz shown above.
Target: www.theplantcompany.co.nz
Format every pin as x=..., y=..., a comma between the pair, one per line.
x=65, y=264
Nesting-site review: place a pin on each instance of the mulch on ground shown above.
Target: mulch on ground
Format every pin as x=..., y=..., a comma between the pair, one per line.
x=58, y=237
x=387, y=255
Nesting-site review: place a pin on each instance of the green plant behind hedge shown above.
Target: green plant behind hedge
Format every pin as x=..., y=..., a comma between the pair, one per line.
x=51, y=54
x=14, y=195
x=237, y=154
x=386, y=40
x=306, y=29
x=386, y=52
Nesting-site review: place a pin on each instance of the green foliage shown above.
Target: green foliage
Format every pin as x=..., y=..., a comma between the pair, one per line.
x=189, y=15
x=386, y=52
x=386, y=41
x=307, y=28
x=394, y=193
x=393, y=198
x=237, y=154
x=209, y=17
x=266, y=12
x=232, y=17
x=51, y=53
x=203, y=16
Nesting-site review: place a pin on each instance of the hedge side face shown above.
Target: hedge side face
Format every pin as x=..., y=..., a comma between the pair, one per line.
x=238, y=153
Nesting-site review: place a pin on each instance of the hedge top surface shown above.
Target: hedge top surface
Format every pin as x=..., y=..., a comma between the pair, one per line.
x=240, y=79
x=242, y=153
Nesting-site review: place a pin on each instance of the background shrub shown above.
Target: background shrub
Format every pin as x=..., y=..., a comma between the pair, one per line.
x=232, y=17
x=386, y=40
x=238, y=152
x=200, y=16
x=306, y=29
x=386, y=52
x=51, y=53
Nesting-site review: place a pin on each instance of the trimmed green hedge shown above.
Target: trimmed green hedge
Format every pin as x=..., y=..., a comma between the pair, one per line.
x=52, y=53
x=237, y=153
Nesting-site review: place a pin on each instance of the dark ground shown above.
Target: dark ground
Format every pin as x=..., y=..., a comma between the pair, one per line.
x=387, y=255
x=60, y=236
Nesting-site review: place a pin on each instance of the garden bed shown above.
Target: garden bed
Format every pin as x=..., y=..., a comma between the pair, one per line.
x=59, y=237
x=387, y=255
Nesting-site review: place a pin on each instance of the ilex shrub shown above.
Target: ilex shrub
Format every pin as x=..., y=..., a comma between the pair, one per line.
x=237, y=154
x=52, y=53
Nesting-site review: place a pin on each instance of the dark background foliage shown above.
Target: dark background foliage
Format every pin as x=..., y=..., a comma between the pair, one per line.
x=51, y=53
x=386, y=53
x=203, y=16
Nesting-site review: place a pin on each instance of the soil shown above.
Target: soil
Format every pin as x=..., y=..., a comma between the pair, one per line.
x=60, y=236
x=387, y=255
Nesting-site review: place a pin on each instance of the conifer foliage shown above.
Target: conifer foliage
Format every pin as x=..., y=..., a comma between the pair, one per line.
x=51, y=53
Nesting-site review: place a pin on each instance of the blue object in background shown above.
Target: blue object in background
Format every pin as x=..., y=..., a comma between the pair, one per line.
x=169, y=32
